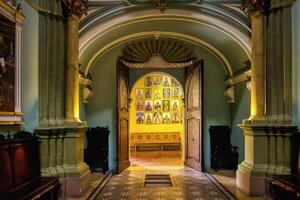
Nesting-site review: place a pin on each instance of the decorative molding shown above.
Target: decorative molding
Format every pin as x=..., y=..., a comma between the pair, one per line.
x=161, y=4
x=252, y=7
x=163, y=49
x=41, y=10
x=229, y=93
x=238, y=79
x=76, y=7
x=87, y=92
x=156, y=61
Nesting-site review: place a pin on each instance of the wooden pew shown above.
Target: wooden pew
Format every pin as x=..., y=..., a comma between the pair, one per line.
x=20, y=170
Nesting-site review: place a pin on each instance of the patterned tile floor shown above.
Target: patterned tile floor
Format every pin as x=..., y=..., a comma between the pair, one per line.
x=188, y=184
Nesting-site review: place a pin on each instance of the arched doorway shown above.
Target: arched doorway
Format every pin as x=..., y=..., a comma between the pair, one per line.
x=156, y=121
x=193, y=139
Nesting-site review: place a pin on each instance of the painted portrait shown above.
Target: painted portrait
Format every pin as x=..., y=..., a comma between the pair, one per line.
x=175, y=117
x=139, y=117
x=157, y=94
x=166, y=105
x=148, y=93
x=175, y=93
x=157, y=117
x=148, y=105
x=166, y=118
x=157, y=105
x=148, y=118
x=148, y=81
x=174, y=83
x=166, y=81
x=7, y=66
x=139, y=106
x=166, y=93
x=157, y=81
x=139, y=94
x=175, y=105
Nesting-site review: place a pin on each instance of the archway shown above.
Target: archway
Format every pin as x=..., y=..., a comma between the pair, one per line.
x=156, y=117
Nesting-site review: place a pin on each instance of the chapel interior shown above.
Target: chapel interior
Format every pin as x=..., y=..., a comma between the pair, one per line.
x=149, y=99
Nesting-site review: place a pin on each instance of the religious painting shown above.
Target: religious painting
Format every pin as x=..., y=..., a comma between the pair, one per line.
x=157, y=105
x=175, y=117
x=166, y=81
x=148, y=118
x=157, y=94
x=148, y=105
x=157, y=117
x=139, y=117
x=175, y=93
x=139, y=106
x=7, y=65
x=166, y=105
x=148, y=81
x=175, y=105
x=166, y=118
x=139, y=94
x=157, y=81
x=148, y=93
x=166, y=93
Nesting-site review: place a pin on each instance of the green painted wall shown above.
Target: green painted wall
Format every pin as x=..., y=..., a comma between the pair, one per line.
x=101, y=111
x=30, y=76
x=296, y=63
x=240, y=110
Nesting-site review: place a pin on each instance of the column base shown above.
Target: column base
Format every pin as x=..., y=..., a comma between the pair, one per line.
x=74, y=186
x=253, y=186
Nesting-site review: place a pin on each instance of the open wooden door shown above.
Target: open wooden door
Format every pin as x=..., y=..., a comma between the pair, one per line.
x=123, y=116
x=193, y=114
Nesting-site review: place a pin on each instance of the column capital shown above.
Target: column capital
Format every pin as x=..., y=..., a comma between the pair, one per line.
x=252, y=7
x=76, y=7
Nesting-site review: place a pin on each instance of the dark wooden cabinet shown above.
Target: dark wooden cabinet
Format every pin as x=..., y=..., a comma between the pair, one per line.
x=96, y=154
x=223, y=154
x=20, y=170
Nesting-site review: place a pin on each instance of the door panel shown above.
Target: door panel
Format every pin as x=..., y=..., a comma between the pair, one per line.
x=123, y=116
x=194, y=104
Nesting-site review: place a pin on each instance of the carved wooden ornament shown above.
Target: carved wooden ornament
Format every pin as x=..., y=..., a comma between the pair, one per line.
x=76, y=7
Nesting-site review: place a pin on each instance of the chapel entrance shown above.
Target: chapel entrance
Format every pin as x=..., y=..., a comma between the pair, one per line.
x=160, y=123
x=156, y=121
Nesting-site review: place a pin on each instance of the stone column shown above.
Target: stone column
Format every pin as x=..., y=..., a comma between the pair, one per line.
x=268, y=131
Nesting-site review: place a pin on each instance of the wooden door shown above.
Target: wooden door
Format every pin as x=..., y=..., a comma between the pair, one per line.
x=123, y=116
x=193, y=115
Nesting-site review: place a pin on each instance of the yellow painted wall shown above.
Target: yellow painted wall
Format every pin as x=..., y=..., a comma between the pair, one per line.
x=154, y=127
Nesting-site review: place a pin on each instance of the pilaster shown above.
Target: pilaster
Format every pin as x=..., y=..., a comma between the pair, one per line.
x=269, y=130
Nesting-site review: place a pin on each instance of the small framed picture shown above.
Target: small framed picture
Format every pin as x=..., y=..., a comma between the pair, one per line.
x=174, y=83
x=148, y=118
x=139, y=106
x=148, y=93
x=166, y=81
x=175, y=105
x=157, y=81
x=175, y=93
x=166, y=93
x=139, y=117
x=148, y=105
x=148, y=81
x=166, y=105
x=166, y=118
x=157, y=94
x=157, y=117
x=175, y=117
x=139, y=94
x=157, y=105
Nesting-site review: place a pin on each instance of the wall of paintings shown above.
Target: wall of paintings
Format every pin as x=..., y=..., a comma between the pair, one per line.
x=158, y=100
x=156, y=105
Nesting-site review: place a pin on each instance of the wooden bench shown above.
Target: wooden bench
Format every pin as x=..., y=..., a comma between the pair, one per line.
x=151, y=141
x=20, y=170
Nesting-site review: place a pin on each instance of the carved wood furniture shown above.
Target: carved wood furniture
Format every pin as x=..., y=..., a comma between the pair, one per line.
x=148, y=141
x=288, y=186
x=223, y=154
x=97, y=148
x=20, y=170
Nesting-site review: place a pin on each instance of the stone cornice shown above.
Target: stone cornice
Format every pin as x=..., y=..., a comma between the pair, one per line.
x=252, y=7
x=76, y=7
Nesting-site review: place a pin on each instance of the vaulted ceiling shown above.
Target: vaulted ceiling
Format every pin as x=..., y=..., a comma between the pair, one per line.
x=218, y=26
